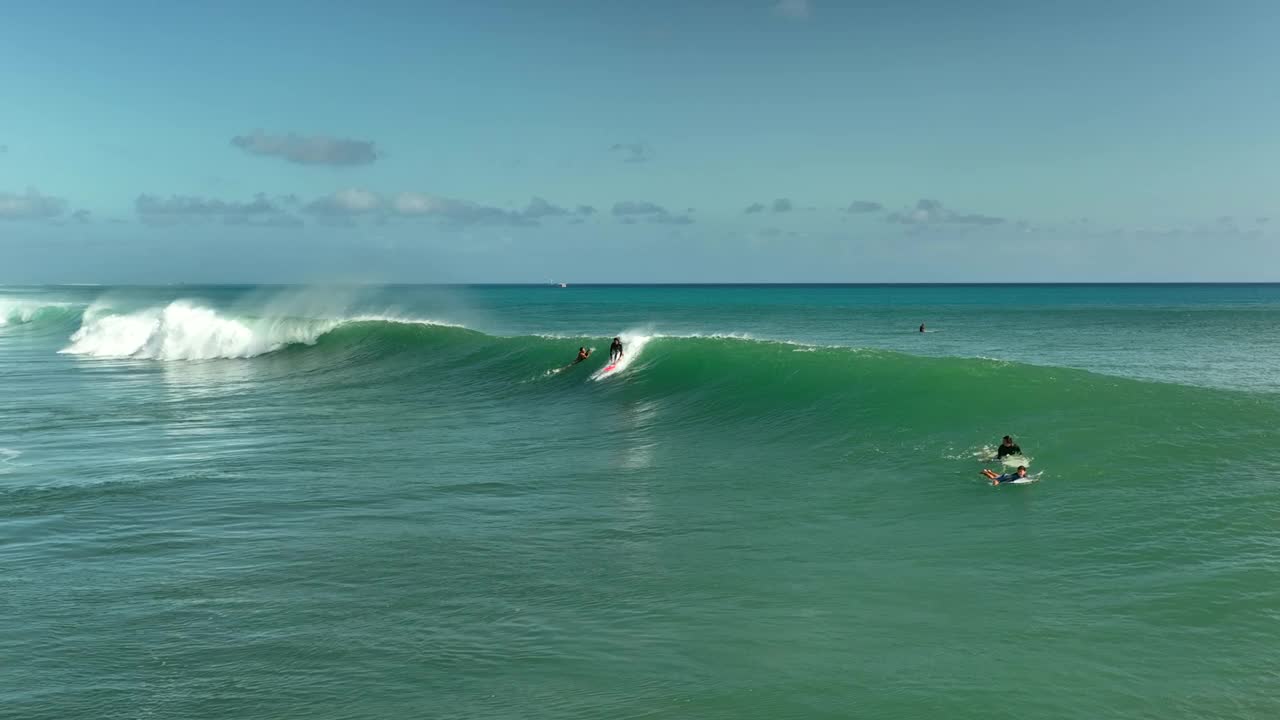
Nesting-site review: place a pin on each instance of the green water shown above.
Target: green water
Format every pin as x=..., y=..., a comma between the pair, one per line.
x=292, y=503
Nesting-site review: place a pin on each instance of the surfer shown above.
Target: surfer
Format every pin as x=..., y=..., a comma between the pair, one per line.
x=995, y=479
x=583, y=354
x=615, y=350
x=1007, y=448
x=921, y=327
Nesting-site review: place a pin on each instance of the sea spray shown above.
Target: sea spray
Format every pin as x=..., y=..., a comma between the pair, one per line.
x=633, y=343
x=183, y=330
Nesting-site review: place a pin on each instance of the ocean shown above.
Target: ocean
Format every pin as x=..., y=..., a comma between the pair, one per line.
x=404, y=502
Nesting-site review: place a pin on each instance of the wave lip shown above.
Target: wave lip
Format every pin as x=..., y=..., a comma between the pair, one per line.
x=22, y=312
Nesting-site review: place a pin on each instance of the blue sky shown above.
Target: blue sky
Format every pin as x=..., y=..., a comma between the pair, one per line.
x=639, y=141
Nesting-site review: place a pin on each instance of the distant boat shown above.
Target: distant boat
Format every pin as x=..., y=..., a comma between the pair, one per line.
x=563, y=284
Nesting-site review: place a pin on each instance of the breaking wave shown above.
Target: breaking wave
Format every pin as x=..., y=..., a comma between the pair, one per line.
x=183, y=330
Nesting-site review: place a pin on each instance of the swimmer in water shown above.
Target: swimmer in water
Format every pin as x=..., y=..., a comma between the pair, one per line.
x=1007, y=448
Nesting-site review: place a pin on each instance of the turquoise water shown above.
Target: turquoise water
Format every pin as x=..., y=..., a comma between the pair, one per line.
x=256, y=502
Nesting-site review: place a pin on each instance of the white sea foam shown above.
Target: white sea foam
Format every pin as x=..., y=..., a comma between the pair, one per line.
x=987, y=453
x=183, y=330
x=747, y=337
x=399, y=320
x=7, y=457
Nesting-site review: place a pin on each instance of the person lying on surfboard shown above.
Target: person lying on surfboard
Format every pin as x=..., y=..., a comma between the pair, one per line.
x=615, y=350
x=1007, y=477
x=583, y=354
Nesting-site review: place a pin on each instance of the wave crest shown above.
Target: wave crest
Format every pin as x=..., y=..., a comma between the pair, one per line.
x=22, y=312
x=184, y=331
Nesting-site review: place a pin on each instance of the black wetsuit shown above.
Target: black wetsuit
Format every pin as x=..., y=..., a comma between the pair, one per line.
x=1007, y=450
x=615, y=350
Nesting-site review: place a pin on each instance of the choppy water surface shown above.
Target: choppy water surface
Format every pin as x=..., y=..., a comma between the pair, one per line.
x=249, y=502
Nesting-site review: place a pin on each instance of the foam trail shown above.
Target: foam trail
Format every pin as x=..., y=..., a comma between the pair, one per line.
x=632, y=345
x=987, y=453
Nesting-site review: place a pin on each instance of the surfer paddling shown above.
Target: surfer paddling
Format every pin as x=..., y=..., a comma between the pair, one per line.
x=583, y=354
x=995, y=479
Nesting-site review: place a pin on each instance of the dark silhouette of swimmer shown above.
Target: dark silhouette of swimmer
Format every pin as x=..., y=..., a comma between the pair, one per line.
x=1007, y=448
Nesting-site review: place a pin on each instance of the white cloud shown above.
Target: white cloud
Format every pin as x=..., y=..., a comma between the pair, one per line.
x=318, y=150
x=350, y=201
x=628, y=210
x=931, y=212
x=465, y=212
x=780, y=205
x=412, y=203
x=637, y=207
x=636, y=152
x=540, y=208
x=858, y=207
x=261, y=210
x=30, y=206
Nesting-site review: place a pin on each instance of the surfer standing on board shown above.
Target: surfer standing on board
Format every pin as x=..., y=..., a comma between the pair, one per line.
x=1007, y=477
x=615, y=350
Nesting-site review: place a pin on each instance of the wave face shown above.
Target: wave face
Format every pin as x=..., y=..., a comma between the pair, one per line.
x=760, y=387
x=31, y=312
x=764, y=388
x=1208, y=337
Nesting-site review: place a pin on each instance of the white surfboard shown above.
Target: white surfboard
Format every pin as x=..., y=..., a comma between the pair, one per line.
x=987, y=454
x=1013, y=461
